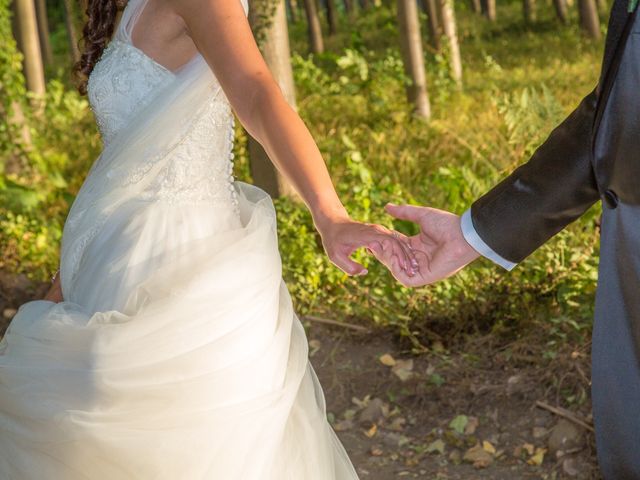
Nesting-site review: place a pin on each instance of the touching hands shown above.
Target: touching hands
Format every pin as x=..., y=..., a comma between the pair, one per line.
x=440, y=249
x=343, y=236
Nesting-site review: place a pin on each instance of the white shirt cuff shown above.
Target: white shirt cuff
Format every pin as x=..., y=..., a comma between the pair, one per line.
x=471, y=236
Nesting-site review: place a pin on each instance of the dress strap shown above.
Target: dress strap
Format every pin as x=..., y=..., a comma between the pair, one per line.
x=130, y=15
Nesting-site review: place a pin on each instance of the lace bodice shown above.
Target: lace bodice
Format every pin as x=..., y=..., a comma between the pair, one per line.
x=125, y=80
x=120, y=83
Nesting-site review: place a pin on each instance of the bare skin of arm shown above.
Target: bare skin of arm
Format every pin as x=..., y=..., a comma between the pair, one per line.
x=220, y=31
x=171, y=32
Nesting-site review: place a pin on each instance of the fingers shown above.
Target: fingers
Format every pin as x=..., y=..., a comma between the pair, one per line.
x=382, y=239
x=347, y=265
x=405, y=244
x=406, y=212
x=394, y=245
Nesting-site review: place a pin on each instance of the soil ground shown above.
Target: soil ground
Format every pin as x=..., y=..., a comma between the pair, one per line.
x=479, y=410
x=496, y=389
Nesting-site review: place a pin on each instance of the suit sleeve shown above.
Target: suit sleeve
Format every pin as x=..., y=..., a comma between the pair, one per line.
x=544, y=195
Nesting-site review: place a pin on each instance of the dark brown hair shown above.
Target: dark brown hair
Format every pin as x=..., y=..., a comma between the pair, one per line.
x=101, y=20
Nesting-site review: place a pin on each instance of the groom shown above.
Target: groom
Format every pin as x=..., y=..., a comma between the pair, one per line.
x=593, y=155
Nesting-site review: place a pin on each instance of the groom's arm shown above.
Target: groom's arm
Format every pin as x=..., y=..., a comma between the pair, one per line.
x=539, y=198
x=555, y=187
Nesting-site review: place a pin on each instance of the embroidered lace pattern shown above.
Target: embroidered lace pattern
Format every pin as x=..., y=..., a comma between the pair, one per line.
x=197, y=168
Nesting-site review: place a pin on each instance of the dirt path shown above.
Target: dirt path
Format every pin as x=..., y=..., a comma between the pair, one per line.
x=423, y=417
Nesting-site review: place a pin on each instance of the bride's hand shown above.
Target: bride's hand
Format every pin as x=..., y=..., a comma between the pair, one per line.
x=343, y=236
x=55, y=292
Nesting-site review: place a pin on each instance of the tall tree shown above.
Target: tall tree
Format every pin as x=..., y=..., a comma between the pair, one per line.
x=43, y=31
x=29, y=44
x=69, y=16
x=476, y=6
x=349, y=7
x=413, y=57
x=561, y=10
x=274, y=45
x=489, y=9
x=431, y=9
x=529, y=10
x=451, y=32
x=15, y=131
x=316, y=44
x=589, y=19
x=293, y=10
x=332, y=19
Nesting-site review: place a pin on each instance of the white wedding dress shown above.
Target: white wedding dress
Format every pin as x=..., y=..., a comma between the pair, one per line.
x=176, y=354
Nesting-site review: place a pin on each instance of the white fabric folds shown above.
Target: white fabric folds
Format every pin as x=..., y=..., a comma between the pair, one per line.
x=176, y=353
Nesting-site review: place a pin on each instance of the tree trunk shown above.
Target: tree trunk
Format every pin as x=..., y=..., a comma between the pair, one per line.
x=434, y=24
x=348, y=7
x=529, y=10
x=489, y=9
x=332, y=20
x=29, y=44
x=316, y=44
x=43, y=31
x=276, y=51
x=602, y=6
x=589, y=19
x=561, y=10
x=364, y=4
x=413, y=57
x=476, y=6
x=449, y=26
x=71, y=30
x=293, y=10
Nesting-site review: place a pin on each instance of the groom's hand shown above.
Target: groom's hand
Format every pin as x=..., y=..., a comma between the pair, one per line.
x=440, y=248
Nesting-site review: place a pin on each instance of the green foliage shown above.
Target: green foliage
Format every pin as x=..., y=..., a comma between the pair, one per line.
x=12, y=88
x=29, y=244
x=353, y=100
x=43, y=157
x=527, y=115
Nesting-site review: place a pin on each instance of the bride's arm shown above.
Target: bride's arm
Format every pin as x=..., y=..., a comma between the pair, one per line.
x=221, y=32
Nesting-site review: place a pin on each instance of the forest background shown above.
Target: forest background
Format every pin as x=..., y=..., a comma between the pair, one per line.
x=429, y=102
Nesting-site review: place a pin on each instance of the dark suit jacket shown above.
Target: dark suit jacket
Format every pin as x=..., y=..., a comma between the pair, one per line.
x=594, y=154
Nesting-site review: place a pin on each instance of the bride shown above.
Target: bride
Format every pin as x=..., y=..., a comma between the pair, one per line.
x=167, y=347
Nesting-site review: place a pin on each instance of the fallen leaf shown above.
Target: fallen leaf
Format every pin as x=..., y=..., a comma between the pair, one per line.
x=372, y=431
x=538, y=457
x=488, y=447
x=436, y=379
x=459, y=424
x=397, y=424
x=387, y=360
x=527, y=447
x=436, y=446
x=343, y=425
x=403, y=369
x=314, y=346
x=361, y=403
x=376, y=451
x=472, y=425
x=349, y=414
x=478, y=457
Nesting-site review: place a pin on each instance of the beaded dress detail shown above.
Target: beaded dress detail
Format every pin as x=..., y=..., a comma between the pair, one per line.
x=176, y=353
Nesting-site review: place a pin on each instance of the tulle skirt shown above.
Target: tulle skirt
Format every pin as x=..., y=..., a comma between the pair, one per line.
x=176, y=355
